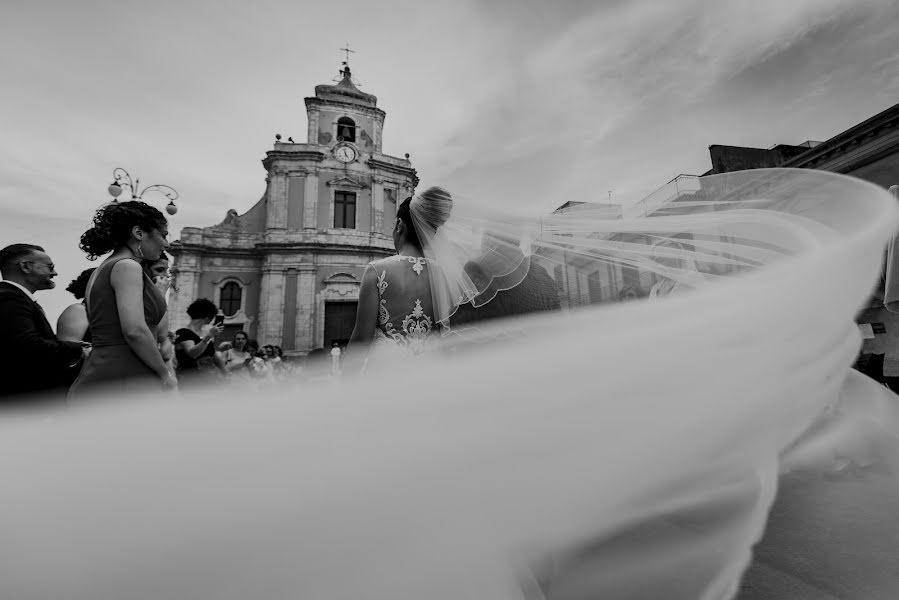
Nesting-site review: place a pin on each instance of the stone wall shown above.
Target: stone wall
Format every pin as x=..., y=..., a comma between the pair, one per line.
x=285, y=252
x=364, y=134
x=726, y=159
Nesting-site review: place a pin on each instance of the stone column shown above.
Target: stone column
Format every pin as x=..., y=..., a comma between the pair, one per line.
x=312, y=133
x=377, y=205
x=289, y=317
x=377, y=130
x=310, y=202
x=276, y=206
x=187, y=280
x=271, y=305
x=305, y=324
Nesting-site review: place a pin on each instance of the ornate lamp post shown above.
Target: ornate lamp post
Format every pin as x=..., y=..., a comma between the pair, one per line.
x=122, y=178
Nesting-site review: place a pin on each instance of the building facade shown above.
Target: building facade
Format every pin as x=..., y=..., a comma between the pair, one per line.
x=288, y=270
x=868, y=150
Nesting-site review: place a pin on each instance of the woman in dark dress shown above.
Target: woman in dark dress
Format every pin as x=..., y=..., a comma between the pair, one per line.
x=125, y=310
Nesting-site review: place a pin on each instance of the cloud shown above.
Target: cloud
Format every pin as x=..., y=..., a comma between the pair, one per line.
x=521, y=103
x=644, y=68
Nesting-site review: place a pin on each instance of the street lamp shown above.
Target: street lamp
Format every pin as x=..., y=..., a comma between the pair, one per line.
x=121, y=178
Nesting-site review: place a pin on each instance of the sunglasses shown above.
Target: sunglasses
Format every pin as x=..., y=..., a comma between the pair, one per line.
x=50, y=266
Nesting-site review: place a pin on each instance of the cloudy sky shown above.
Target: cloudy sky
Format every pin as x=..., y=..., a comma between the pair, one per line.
x=522, y=104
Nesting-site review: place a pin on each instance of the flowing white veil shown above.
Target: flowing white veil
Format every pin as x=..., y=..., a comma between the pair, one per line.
x=733, y=223
x=616, y=450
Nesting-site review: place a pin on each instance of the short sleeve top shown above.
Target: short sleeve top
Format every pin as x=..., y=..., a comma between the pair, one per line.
x=185, y=362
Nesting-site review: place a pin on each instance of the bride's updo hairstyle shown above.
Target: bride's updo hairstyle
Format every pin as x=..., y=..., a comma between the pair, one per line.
x=113, y=224
x=429, y=210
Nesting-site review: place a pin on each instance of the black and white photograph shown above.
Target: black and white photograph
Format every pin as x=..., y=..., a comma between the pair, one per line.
x=485, y=299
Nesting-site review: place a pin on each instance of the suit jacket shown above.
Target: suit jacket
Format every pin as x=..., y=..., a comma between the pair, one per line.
x=32, y=359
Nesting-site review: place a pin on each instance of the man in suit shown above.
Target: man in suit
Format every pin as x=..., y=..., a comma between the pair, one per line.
x=32, y=359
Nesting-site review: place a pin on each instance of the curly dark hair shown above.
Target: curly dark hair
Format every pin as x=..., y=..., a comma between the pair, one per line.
x=113, y=224
x=438, y=203
x=202, y=308
x=79, y=285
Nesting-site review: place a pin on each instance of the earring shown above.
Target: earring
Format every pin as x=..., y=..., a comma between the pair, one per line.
x=139, y=251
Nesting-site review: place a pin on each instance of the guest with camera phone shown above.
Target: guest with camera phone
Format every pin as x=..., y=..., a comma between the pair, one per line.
x=194, y=347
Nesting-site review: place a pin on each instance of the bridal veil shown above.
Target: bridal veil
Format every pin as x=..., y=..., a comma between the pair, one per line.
x=646, y=435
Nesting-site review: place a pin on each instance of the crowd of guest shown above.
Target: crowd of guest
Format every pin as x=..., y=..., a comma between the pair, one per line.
x=198, y=360
x=115, y=338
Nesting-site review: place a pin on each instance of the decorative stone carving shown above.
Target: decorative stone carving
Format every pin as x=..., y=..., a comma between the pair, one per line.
x=342, y=286
x=258, y=246
x=346, y=182
x=366, y=139
x=243, y=282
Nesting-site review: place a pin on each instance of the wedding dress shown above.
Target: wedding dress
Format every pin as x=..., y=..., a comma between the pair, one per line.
x=406, y=325
x=538, y=460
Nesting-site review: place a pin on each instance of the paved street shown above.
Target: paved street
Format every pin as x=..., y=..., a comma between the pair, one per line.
x=831, y=537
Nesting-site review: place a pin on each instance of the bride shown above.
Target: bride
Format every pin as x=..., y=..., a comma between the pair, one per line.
x=396, y=308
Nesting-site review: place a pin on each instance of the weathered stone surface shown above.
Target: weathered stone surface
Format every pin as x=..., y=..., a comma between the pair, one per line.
x=293, y=231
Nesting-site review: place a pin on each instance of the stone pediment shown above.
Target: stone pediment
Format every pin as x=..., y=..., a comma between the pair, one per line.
x=340, y=286
x=346, y=181
x=236, y=278
x=337, y=278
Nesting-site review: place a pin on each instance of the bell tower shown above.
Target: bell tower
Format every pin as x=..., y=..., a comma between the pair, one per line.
x=344, y=113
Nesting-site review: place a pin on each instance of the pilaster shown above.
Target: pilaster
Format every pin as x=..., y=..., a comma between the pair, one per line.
x=377, y=131
x=377, y=202
x=187, y=282
x=271, y=305
x=276, y=207
x=306, y=318
x=310, y=202
x=312, y=133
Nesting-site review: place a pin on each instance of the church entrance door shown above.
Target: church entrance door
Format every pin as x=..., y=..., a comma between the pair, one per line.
x=340, y=318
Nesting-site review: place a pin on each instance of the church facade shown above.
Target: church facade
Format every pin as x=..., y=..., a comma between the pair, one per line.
x=288, y=270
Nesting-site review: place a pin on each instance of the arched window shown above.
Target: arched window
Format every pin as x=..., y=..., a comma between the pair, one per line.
x=231, y=295
x=346, y=130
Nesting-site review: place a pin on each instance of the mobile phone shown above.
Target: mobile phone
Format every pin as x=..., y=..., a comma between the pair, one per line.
x=218, y=320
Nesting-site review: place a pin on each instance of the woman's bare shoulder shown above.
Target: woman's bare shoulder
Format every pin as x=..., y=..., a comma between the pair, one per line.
x=384, y=263
x=73, y=310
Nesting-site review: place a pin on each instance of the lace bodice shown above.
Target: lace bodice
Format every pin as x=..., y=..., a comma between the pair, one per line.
x=405, y=309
